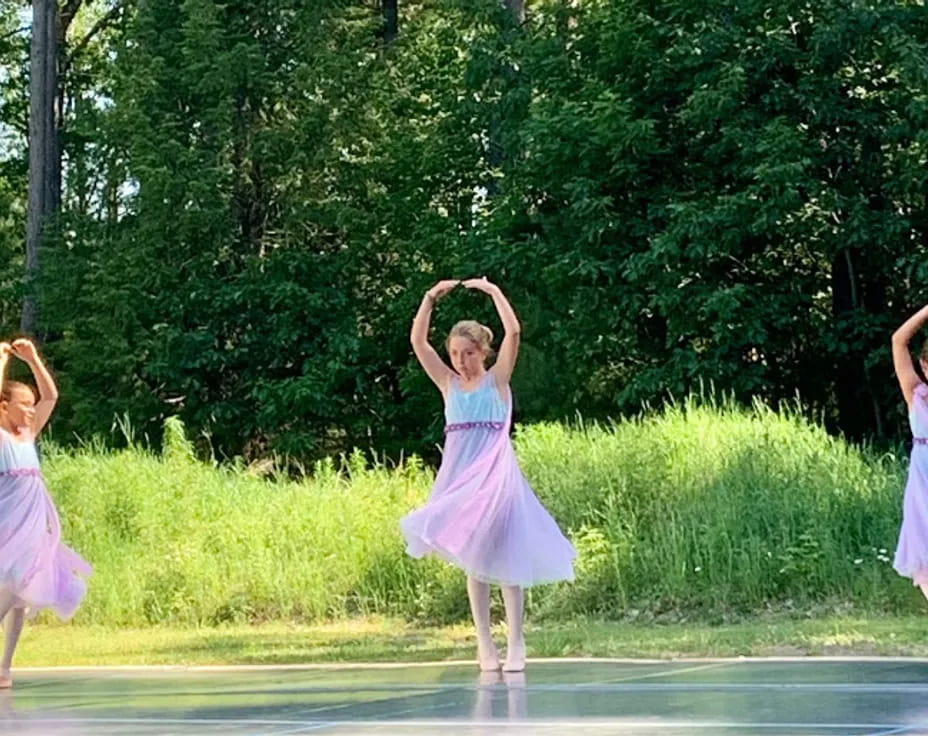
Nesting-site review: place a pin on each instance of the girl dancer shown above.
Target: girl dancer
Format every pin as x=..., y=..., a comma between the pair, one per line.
x=912, y=549
x=482, y=516
x=36, y=569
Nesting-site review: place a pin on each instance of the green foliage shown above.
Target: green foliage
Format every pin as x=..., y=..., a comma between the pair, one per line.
x=700, y=510
x=734, y=194
x=258, y=193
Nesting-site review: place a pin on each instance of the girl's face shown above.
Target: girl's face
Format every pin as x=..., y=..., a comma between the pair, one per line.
x=467, y=357
x=18, y=412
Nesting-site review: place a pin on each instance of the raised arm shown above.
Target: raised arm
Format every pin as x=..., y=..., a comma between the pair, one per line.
x=429, y=359
x=5, y=351
x=48, y=391
x=902, y=357
x=512, y=330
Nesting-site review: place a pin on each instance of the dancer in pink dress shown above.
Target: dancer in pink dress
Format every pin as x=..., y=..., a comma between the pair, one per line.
x=482, y=516
x=36, y=569
x=912, y=550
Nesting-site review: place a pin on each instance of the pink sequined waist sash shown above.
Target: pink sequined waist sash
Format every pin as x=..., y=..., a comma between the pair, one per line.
x=20, y=472
x=460, y=426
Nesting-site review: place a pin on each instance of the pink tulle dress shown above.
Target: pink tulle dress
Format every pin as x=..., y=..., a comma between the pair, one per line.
x=912, y=549
x=482, y=515
x=35, y=565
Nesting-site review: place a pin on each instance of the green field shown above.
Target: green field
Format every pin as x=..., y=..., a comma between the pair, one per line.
x=390, y=640
x=701, y=512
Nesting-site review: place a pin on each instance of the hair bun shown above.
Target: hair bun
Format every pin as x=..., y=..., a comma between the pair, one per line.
x=479, y=334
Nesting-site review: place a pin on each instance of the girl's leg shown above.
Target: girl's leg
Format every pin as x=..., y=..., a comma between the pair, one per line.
x=924, y=587
x=13, y=623
x=479, y=594
x=6, y=607
x=514, y=598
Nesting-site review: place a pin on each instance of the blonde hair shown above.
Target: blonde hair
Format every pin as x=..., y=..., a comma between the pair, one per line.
x=6, y=393
x=480, y=335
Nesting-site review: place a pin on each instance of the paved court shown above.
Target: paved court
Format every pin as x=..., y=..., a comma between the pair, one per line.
x=876, y=697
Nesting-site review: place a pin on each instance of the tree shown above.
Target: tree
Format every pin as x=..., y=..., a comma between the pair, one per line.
x=44, y=157
x=49, y=60
x=391, y=19
x=257, y=194
x=739, y=189
x=13, y=164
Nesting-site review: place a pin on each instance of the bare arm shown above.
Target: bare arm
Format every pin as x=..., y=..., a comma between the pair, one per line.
x=5, y=351
x=429, y=359
x=48, y=391
x=512, y=330
x=902, y=358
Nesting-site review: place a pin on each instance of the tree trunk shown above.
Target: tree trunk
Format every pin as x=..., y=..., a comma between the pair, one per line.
x=854, y=291
x=517, y=9
x=496, y=153
x=44, y=157
x=848, y=376
x=391, y=19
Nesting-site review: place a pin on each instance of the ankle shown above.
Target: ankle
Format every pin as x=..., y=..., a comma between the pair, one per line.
x=486, y=647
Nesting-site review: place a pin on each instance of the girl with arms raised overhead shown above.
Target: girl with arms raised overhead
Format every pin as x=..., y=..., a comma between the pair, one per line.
x=482, y=516
x=37, y=570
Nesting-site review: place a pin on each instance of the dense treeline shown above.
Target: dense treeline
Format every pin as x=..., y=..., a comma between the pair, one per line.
x=256, y=194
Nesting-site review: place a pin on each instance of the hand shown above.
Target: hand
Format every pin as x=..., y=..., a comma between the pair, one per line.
x=6, y=350
x=441, y=288
x=25, y=350
x=481, y=284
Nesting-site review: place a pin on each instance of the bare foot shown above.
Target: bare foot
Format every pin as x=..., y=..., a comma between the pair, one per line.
x=515, y=658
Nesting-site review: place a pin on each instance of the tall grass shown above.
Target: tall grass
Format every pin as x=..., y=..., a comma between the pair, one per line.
x=699, y=509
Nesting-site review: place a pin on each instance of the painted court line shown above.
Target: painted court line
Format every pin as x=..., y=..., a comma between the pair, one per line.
x=621, y=686
x=388, y=716
x=663, y=673
x=618, y=685
x=298, y=729
x=382, y=701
